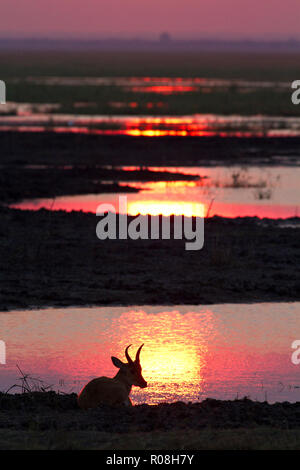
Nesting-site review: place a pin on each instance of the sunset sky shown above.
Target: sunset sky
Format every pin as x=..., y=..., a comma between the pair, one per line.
x=144, y=18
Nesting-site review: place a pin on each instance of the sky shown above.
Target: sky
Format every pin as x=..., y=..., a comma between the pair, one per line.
x=144, y=18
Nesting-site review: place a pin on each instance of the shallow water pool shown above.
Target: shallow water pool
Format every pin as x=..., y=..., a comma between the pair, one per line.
x=234, y=191
x=190, y=352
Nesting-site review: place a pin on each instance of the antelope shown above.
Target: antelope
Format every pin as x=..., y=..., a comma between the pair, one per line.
x=116, y=390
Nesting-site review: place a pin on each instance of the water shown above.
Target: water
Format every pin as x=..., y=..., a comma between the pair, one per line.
x=196, y=125
x=226, y=191
x=143, y=96
x=159, y=82
x=190, y=352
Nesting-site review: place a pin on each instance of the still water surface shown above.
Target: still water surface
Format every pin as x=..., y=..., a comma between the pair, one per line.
x=234, y=191
x=190, y=352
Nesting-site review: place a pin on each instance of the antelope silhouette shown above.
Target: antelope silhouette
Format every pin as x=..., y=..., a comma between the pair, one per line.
x=115, y=390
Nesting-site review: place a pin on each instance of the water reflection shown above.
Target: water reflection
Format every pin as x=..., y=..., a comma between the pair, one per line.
x=225, y=191
x=175, y=356
x=190, y=352
x=199, y=125
x=141, y=82
x=162, y=89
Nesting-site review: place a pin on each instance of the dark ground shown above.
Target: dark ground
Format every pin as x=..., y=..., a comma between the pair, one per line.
x=45, y=420
x=21, y=148
x=35, y=165
x=55, y=259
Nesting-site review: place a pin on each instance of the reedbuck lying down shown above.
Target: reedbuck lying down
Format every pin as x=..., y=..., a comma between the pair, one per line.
x=116, y=390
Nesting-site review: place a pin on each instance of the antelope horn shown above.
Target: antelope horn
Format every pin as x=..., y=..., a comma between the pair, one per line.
x=129, y=360
x=137, y=357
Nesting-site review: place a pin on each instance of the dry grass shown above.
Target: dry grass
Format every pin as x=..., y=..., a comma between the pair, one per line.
x=29, y=384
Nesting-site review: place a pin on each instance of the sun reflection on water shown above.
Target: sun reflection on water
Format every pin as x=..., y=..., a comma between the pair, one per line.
x=176, y=354
x=190, y=352
x=227, y=192
x=166, y=208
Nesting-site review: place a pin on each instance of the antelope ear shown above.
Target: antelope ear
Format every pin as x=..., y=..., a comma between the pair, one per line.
x=116, y=362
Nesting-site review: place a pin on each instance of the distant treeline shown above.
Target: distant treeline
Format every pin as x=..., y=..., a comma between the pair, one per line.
x=165, y=43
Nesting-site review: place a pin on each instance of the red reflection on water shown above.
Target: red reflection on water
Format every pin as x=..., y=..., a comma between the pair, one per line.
x=190, y=352
x=134, y=104
x=184, y=133
x=270, y=211
x=162, y=89
x=194, y=125
x=217, y=191
x=89, y=203
x=166, y=208
x=129, y=132
x=121, y=104
x=168, y=80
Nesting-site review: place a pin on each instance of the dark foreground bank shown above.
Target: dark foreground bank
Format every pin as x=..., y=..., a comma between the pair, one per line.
x=46, y=420
x=55, y=259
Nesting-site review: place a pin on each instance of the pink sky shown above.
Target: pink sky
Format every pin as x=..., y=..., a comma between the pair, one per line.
x=181, y=18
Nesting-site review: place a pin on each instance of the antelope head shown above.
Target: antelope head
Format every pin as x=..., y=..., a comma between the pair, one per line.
x=131, y=372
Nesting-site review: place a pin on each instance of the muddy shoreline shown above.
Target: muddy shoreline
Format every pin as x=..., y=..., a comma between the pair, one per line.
x=54, y=258
x=19, y=410
x=46, y=420
x=22, y=148
x=21, y=182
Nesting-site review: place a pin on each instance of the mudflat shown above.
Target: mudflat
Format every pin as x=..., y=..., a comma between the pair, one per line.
x=46, y=420
x=54, y=258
